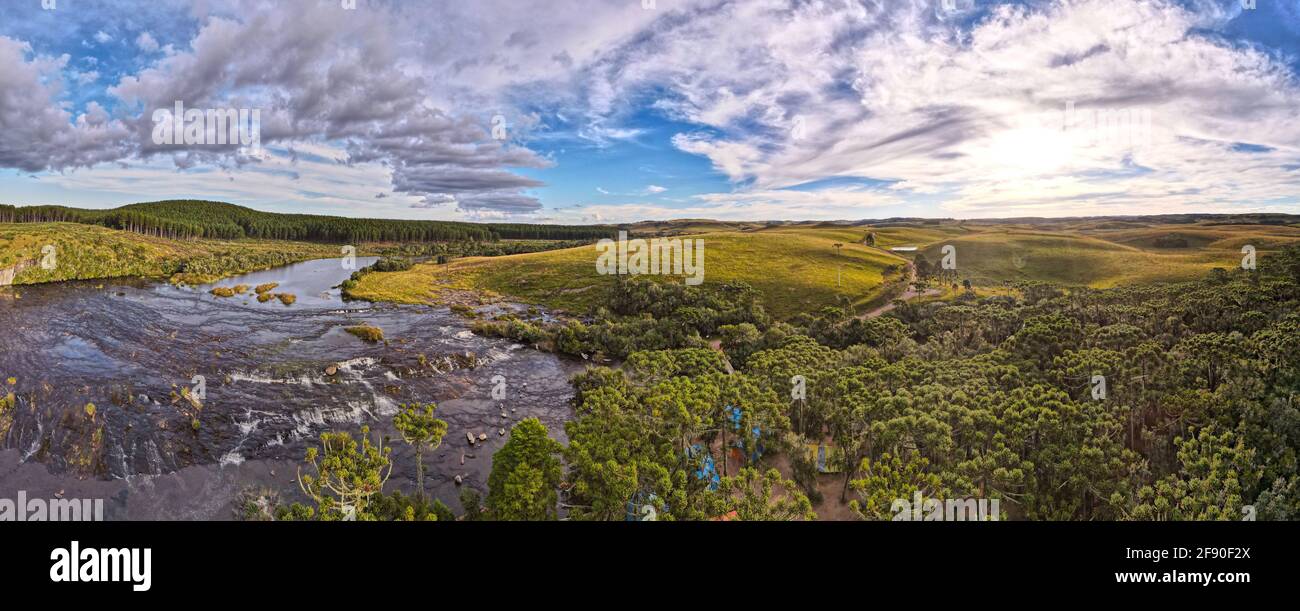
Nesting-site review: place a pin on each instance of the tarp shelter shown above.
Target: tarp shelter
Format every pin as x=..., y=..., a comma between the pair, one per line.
x=734, y=415
x=827, y=457
x=708, y=471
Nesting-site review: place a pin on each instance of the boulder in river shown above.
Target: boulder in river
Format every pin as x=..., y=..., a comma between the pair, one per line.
x=482, y=436
x=470, y=437
x=331, y=370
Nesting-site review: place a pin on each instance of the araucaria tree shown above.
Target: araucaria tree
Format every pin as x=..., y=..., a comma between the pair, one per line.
x=419, y=429
x=525, y=475
x=347, y=474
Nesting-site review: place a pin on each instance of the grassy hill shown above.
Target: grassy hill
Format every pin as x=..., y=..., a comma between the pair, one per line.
x=794, y=265
x=88, y=251
x=795, y=268
x=1104, y=258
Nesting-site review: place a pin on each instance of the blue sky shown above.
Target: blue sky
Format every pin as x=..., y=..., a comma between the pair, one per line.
x=619, y=110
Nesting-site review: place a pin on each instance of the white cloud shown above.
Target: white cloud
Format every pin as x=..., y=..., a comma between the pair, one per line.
x=38, y=132
x=827, y=204
x=964, y=114
x=797, y=93
x=145, y=42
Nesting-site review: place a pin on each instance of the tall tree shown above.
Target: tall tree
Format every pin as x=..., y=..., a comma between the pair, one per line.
x=421, y=431
x=525, y=475
x=346, y=475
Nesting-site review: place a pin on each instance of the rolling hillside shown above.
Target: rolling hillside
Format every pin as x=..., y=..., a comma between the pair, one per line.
x=795, y=268
x=794, y=265
x=1105, y=258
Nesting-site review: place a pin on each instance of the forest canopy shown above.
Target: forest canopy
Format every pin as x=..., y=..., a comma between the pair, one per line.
x=219, y=220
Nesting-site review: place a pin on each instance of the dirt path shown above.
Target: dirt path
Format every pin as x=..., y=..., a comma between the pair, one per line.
x=910, y=293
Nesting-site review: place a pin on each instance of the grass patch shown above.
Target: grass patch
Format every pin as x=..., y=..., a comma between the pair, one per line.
x=229, y=291
x=368, y=333
x=265, y=288
x=464, y=311
x=286, y=298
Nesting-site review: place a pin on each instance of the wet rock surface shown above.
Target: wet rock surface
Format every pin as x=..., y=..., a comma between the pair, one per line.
x=272, y=378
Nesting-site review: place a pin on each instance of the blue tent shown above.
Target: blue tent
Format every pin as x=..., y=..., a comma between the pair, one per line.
x=708, y=471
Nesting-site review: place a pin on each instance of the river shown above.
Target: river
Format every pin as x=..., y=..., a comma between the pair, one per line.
x=129, y=346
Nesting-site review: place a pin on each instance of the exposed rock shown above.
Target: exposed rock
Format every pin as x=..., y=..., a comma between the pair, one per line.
x=8, y=274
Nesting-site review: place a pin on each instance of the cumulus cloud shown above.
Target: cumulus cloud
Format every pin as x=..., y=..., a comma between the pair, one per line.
x=974, y=110
x=145, y=42
x=335, y=76
x=991, y=110
x=39, y=134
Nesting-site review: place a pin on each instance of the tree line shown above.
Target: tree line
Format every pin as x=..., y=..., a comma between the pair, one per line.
x=187, y=219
